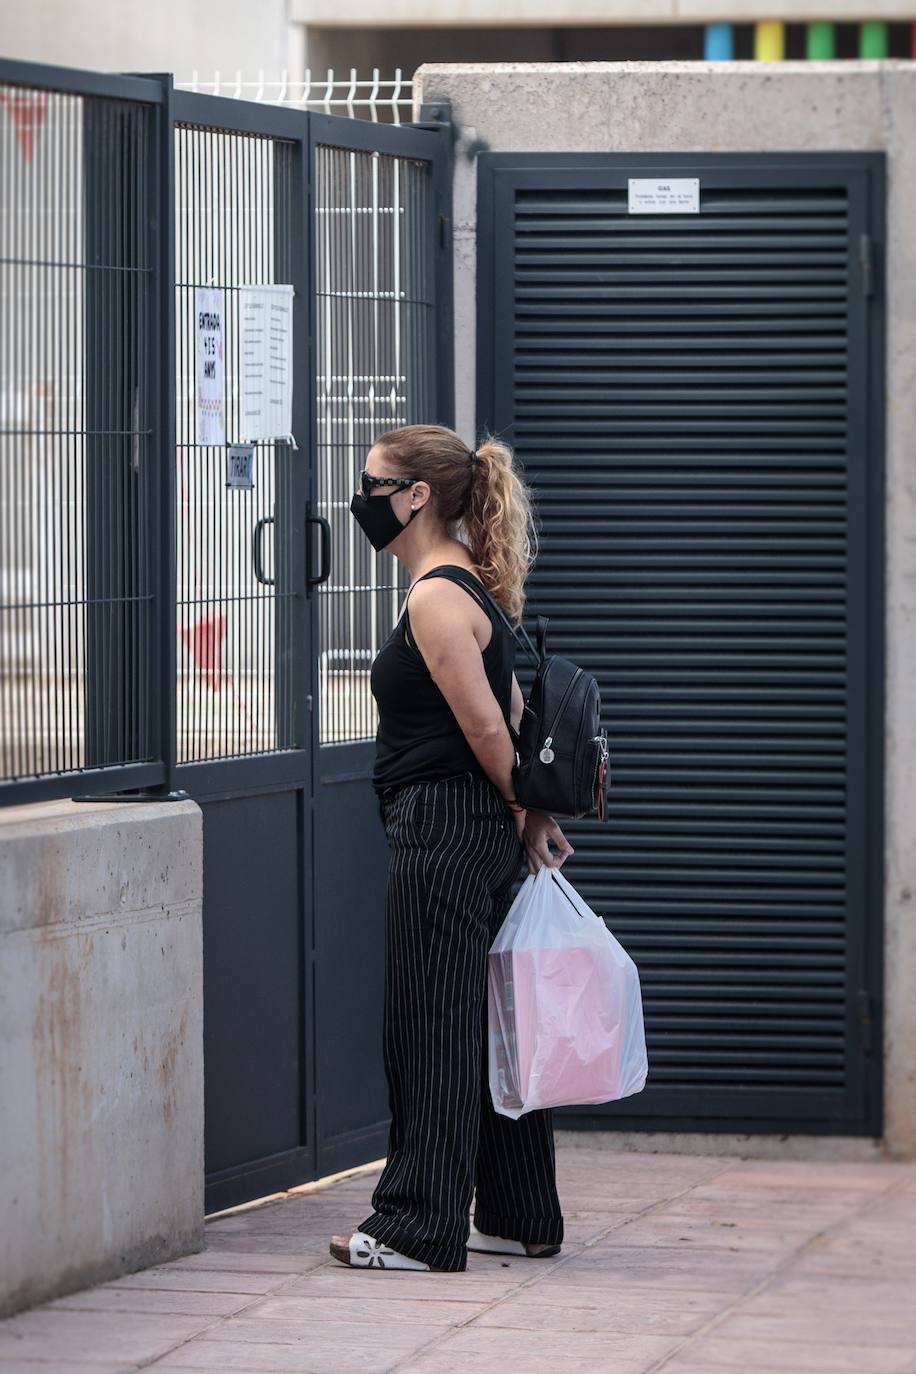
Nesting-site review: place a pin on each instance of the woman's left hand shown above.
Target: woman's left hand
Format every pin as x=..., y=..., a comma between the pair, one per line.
x=539, y=827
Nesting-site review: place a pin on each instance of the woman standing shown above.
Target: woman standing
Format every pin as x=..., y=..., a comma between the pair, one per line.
x=446, y=693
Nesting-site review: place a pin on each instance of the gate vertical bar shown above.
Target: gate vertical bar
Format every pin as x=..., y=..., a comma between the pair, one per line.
x=437, y=115
x=303, y=607
x=292, y=467
x=108, y=169
x=164, y=671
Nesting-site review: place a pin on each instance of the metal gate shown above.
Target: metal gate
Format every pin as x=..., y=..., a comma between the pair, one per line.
x=697, y=399
x=382, y=329
x=350, y=213
x=162, y=633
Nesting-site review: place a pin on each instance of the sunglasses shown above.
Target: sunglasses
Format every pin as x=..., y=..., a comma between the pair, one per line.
x=367, y=482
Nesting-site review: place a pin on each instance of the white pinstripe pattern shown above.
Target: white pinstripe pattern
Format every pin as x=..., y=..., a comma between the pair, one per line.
x=454, y=855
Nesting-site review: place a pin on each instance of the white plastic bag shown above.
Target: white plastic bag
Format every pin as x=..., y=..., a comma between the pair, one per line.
x=564, y=1004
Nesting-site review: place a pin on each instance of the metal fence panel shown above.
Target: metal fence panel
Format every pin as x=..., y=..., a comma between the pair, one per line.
x=76, y=399
x=375, y=369
x=235, y=597
x=385, y=100
x=150, y=615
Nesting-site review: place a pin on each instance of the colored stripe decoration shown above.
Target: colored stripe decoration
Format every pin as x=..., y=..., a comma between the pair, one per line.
x=718, y=43
x=769, y=41
x=820, y=41
x=873, y=41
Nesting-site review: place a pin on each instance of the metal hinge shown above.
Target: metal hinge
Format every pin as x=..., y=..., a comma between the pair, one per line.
x=866, y=1020
x=435, y=114
x=444, y=226
x=867, y=263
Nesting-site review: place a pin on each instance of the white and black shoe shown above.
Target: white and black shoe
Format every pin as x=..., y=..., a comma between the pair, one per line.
x=499, y=1245
x=363, y=1251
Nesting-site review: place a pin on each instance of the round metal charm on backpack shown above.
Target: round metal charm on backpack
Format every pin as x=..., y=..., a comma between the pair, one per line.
x=546, y=754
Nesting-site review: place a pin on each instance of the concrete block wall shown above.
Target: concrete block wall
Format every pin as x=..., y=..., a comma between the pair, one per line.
x=101, y=1031
x=745, y=107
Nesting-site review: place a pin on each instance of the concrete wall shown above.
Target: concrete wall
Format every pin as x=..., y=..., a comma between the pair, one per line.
x=101, y=1028
x=136, y=36
x=744, y=106
x=593, y=11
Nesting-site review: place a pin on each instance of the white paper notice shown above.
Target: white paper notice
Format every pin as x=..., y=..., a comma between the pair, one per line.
x=208, y=321
x=267, y=362
x=664, y=196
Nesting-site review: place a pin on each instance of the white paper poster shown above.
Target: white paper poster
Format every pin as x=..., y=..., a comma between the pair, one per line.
x=210, y=389
x=267, y=362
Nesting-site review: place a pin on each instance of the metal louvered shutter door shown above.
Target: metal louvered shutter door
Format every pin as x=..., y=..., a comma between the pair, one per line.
x=696, y=399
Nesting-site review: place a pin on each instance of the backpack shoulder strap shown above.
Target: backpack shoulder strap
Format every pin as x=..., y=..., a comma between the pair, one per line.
x=483, y=595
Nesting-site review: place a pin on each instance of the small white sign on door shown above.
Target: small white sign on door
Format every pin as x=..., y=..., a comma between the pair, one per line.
x=663, y=195
x=209, y=389
x=239, y=466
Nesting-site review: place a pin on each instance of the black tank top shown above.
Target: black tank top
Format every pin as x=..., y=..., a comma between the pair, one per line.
x=418, y=737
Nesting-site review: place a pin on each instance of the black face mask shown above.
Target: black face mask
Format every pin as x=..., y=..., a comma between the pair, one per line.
x=378, y=519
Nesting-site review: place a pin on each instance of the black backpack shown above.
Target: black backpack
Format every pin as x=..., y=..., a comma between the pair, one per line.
x=561, y=748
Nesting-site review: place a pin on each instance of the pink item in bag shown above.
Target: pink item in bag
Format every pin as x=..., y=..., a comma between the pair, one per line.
x=565, y=1007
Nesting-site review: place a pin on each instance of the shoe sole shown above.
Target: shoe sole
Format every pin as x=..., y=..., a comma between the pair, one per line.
x=342, y=1253
x=527, y=1253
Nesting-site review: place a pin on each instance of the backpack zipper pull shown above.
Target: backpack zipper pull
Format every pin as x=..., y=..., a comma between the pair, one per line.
x=546, y=754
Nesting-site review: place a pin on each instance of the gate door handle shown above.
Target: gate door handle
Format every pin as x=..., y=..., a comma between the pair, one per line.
x=257, y=550
x=324, y=567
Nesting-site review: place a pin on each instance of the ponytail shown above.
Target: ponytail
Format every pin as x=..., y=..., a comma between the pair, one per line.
x=485, y=497
x=499, y=525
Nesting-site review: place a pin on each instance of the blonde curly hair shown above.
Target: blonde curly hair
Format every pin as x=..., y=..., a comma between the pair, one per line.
x=486, y=504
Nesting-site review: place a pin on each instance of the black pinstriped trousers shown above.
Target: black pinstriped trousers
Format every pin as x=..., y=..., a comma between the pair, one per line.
x=454, y=856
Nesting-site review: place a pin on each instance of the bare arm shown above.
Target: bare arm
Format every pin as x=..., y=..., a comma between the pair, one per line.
x=442, y=620
x=443, y=626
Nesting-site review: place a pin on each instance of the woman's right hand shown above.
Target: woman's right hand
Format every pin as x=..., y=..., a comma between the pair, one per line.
x=534, y=829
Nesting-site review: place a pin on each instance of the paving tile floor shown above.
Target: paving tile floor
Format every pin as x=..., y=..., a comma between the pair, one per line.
x=685, y=1264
